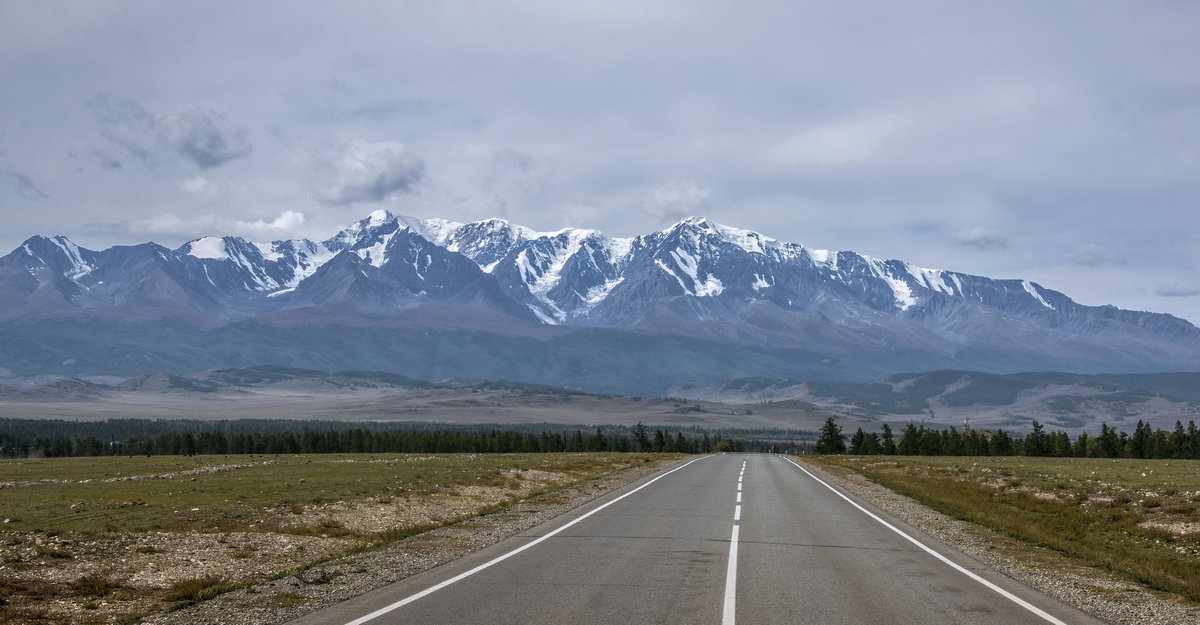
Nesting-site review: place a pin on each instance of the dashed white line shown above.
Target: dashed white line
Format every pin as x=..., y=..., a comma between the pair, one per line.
x=461, y=576
x=1004, y=593
x=727, y=616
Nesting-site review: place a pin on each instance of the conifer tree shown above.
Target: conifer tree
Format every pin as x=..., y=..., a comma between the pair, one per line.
x=831, y=440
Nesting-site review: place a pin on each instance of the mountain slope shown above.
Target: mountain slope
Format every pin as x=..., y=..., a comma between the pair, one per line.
x=701, y=282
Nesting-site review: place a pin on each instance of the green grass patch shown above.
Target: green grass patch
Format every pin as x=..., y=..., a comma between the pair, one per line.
x=93, y=494
x=1122, y=515
x=60, y=509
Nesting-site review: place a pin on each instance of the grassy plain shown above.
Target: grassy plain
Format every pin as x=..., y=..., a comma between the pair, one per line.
x=1138, y=518
x=105, y=540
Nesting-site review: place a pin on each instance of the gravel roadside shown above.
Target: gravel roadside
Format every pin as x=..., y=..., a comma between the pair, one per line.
x=323, y=585
x=1095, y=591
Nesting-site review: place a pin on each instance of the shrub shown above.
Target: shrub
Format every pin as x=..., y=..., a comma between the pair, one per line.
x=199, y=588
x=95, y=584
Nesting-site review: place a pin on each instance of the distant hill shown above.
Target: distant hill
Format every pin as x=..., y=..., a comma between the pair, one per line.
x=1059, y=400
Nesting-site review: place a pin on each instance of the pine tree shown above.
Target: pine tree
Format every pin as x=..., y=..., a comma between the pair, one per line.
x=870, y=444
x=1035, y=443
x=910, y=441
x=856, y=441
x=641, y=437
x=831, y=440
x=888, y=445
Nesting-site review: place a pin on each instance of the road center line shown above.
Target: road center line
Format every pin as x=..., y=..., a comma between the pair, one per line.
x=729, y=613
x=1004, y=593
x=461, y=576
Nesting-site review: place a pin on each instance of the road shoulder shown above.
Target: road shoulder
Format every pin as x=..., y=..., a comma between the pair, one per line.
x=1091, y=590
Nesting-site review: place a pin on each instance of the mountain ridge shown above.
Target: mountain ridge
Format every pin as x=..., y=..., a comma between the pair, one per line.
x=696, y=279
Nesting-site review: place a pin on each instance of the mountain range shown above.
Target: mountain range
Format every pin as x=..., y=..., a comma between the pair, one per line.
x=695, y=303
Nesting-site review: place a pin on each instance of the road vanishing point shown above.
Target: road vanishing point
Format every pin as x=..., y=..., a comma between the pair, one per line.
x=733, y=538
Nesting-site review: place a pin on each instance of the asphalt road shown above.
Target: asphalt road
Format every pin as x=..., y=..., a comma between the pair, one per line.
x=724, y=539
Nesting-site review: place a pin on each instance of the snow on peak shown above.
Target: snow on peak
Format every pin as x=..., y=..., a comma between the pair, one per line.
x=900, y=289
x=933, y=279
x=749, y=241
x=213, y=248
x=378, y=218
x=1032, y=289
x=438, y=231
x=79, y=267
x=822, y=257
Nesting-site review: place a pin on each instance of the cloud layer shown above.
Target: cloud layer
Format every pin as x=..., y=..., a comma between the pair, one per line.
x=204, y=137
x=371, y=172
x=1055, y=142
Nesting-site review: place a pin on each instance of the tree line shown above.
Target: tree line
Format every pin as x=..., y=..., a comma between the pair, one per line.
x=128, y=437
x=917, y=440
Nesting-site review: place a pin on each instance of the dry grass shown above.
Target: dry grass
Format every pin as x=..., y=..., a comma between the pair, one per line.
x=95, y=584
x=175, y=521
x=1128, y=516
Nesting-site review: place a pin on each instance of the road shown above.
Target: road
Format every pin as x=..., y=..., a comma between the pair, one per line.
x=733, y=538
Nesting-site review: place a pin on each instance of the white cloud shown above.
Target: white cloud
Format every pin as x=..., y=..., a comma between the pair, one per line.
x=677, y=200
x=202, y=188
x=840, y=143
x=371, y=172
x=285, y=222
x=980, y=238
x=193, y=226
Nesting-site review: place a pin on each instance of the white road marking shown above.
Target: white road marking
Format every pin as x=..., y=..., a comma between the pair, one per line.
x=729, y=613
x=1004, y=593
x=727, y=617
x=461, y=576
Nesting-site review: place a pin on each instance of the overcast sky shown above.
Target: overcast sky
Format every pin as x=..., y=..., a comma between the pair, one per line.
x=1053, y=141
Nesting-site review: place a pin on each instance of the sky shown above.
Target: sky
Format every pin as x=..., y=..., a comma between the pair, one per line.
x=1057, y=142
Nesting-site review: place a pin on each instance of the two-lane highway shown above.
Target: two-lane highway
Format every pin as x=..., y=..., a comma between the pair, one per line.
x=721, y=539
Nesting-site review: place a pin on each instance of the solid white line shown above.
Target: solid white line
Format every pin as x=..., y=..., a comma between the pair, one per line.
x=1004, y=593
x=461, y=576
x=727, y=616
x=737, y=513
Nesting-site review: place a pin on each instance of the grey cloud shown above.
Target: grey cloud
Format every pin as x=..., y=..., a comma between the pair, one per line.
x=980, y=238
x=1177, y=291
x=1095, y=256
x=677, y=200
x=204, y=137
x=125, y=123
x=104, y=159
x=370, y=172
x=24, y=185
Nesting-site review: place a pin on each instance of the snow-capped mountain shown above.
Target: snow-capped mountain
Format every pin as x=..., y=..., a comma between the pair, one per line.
x=695, y=279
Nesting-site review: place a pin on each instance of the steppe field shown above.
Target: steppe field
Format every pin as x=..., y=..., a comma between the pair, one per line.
x=113, y=539
x=1137, y=518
